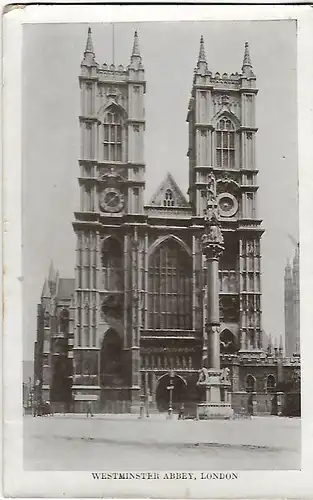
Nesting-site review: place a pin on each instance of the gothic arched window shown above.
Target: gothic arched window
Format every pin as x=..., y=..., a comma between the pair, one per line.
x=270, y=383
x=168, y=198
x=169, y=287
x=250, y=383
x=112, y=265
x=112, y=137
x=225, y=143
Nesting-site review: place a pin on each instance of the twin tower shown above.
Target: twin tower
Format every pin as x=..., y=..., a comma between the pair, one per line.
x=140, y=272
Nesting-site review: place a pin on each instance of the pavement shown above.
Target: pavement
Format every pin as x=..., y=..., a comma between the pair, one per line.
x=125, y=442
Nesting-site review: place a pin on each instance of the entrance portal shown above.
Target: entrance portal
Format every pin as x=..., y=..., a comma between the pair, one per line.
x=111, y=359
x=163, y=393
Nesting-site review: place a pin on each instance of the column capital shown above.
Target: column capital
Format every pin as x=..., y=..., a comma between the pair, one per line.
x=212, y=250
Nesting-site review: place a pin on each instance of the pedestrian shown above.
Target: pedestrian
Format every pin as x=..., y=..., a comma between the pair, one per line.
x=89, y=412
x=181, y=412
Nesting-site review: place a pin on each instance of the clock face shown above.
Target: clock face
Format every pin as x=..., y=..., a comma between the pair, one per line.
x=111, y=200
x=228, y=204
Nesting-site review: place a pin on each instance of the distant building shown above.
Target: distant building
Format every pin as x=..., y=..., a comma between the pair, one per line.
x=53, y=347
x=292, y=306
x=136, y=308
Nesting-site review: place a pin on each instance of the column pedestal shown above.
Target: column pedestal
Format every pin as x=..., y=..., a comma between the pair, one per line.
x=217, y=402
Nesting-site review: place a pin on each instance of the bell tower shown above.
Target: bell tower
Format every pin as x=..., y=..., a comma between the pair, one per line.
x=222, y=131
x=111, y=183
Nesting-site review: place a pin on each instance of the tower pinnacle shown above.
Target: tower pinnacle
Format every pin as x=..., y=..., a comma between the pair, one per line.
x=201, y=57
x=247, y=64
x=281, y=345
x=136, y=51
x=89, y=44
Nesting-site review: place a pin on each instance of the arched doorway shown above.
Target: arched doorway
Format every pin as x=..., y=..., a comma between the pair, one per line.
x=163, y=393
x=111, y=368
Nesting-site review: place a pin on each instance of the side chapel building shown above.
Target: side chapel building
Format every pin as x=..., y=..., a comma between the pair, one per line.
x=135, y=310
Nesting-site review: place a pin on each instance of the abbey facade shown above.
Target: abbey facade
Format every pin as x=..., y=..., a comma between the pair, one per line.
x=137, y=307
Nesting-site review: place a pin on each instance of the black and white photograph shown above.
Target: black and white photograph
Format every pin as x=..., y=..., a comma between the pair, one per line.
x=161, y=249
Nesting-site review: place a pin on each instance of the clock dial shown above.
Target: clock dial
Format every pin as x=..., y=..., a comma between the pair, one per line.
x=111, y=200
x=228, y=204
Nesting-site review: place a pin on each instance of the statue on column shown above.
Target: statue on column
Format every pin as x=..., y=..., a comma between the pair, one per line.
x=213, y=233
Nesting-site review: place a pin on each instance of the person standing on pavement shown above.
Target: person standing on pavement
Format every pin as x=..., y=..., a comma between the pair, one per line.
x=89, y=411
x=181, y=411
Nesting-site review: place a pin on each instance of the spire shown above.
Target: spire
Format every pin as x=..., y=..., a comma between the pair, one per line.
x=201, y=57
x=135, y=60
x=136, y=51
x=247, y=64
x=45, y=294
x=89, y=57
x=52, y=274
x=202, y=64
x=288, y=270
x=89, y=44
x=246, y=57
x=270, y=344
x=281, y=347
x=296, y=256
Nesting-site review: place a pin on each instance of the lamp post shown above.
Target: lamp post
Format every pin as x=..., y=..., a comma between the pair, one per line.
x=170, y=388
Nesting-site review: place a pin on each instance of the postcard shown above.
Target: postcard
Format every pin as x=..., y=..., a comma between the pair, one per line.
x=157, y=251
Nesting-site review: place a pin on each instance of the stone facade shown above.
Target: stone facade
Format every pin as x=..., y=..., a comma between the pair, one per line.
x=137, y=308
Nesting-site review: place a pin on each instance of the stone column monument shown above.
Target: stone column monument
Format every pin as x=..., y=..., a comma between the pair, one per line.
x=216, y=383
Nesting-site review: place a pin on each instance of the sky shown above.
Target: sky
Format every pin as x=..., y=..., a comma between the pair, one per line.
x=50, y=132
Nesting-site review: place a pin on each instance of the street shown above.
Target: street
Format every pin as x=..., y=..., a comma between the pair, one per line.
x=121, y=442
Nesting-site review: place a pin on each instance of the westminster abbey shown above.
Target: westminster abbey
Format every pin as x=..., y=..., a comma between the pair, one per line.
x=134, y=315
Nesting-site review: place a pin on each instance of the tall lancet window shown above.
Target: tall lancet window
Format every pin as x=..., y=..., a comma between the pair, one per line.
x=225, y=144
x=112, y=137
x=169, y=287
x=112, y=259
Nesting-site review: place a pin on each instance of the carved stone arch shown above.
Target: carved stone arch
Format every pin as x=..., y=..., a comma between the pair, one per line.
x=167, y=375
x=226, y=113
x=169, y=237
x=112, y=237
x=112, y=106
x=179, y=388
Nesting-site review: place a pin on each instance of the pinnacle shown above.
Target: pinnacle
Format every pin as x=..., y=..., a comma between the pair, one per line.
x=51, y=276
x=136, y=51
x=201, y=57
x=246, y=57
x=89, y=44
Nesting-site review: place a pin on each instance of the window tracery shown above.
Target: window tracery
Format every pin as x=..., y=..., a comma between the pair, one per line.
x=225, y=143
x=169, y=287
x=112, y=137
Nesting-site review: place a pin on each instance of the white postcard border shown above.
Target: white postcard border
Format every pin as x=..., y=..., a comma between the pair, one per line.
x=266, y=484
